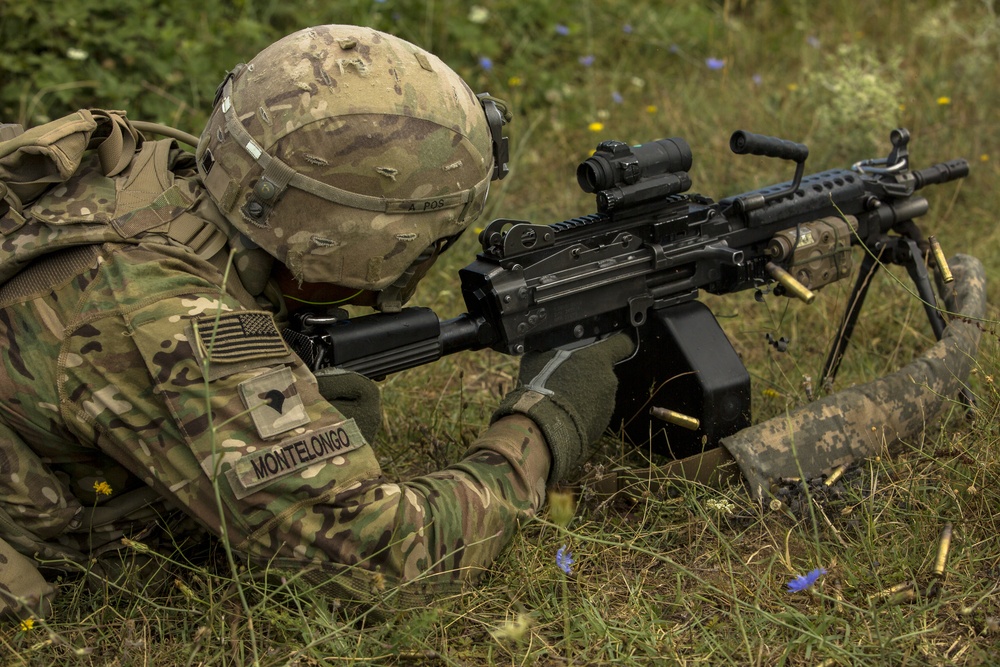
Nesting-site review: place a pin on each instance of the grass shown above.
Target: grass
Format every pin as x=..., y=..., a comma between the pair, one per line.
x=687, y=575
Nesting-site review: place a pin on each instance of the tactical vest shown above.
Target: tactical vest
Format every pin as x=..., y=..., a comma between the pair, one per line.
x=76, y=183
x=87, y=179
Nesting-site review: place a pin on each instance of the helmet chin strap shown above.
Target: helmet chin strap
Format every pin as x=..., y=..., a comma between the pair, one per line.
x=323, y=303
x=391, y=298
x=252, y=264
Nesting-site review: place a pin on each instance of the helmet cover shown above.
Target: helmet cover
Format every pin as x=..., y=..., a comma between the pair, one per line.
x=345, y=153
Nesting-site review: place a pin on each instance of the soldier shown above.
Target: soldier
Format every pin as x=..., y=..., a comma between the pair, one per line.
x=141, y=374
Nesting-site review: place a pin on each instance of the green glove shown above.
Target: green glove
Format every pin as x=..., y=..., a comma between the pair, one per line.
x=355, y=396
x=570, y=395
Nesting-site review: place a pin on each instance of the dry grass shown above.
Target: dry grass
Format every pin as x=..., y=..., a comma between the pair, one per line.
x=687, y=575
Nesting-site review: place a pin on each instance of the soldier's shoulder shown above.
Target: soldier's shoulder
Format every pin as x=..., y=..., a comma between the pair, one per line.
x=136, y=275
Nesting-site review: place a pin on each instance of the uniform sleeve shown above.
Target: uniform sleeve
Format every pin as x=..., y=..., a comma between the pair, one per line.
x=191, y=391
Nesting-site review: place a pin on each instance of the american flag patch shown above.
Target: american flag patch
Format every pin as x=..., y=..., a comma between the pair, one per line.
x=241, y=336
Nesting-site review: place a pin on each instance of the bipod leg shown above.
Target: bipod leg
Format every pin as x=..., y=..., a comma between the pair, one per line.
x=869, y=265
x=922, y=280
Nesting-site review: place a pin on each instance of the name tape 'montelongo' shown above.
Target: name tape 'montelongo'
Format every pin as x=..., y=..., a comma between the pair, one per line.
x=293, y=455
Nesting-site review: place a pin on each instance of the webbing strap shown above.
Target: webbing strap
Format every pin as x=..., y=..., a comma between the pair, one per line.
x=201, y=236
x=272, y=165
x=117, y=149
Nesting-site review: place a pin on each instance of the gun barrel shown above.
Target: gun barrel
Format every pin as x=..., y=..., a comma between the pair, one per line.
x=941, y=172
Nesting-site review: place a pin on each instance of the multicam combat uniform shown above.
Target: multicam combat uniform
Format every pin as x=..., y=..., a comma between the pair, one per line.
x=126, y=363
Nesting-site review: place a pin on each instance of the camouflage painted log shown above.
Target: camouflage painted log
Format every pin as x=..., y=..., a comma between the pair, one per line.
x=864, y=420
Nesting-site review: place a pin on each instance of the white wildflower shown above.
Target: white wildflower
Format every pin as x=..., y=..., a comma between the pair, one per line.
x=720, y=505
x=478, y=14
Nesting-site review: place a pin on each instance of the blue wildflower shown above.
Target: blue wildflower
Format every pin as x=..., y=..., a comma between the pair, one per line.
x=616, y=97
x=674, y=48
x=813, y=41
x=562, y=29
x=485, y=63
x=803, y=582
x=564, y=559
x=757, y=79
x=627, y=28
x=715, y=63
x=586, y=61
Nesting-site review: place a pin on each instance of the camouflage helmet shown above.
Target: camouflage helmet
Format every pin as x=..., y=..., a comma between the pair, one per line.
x=349, y=155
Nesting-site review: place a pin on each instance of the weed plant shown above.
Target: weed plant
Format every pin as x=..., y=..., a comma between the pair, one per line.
x=687, y=575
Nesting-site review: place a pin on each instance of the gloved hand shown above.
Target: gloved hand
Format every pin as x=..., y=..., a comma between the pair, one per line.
x=570, y=395
x=355, y=396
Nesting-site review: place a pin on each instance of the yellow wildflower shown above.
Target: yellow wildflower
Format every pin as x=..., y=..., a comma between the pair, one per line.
x=651, y=108
x=793, y=87
x=984, y=157
x=514, y=81
x=27, y=624
x=771, y=393
x=596, y=126
x=138, y=546
x=102, y=488
x=515, y=629
x=943, y=101
x=184, y=588
x=562, y=507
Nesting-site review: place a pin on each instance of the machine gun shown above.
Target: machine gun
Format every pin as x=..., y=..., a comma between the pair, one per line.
x=637, y=265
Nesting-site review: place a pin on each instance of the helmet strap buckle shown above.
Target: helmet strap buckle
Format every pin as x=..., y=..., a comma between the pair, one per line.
x=267, y=192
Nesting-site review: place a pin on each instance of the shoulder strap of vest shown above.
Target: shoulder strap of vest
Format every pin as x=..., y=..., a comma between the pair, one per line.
x=115, y=139
x=35, y=159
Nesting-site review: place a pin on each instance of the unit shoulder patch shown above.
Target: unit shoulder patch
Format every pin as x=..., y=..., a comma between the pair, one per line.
x=274, y=402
